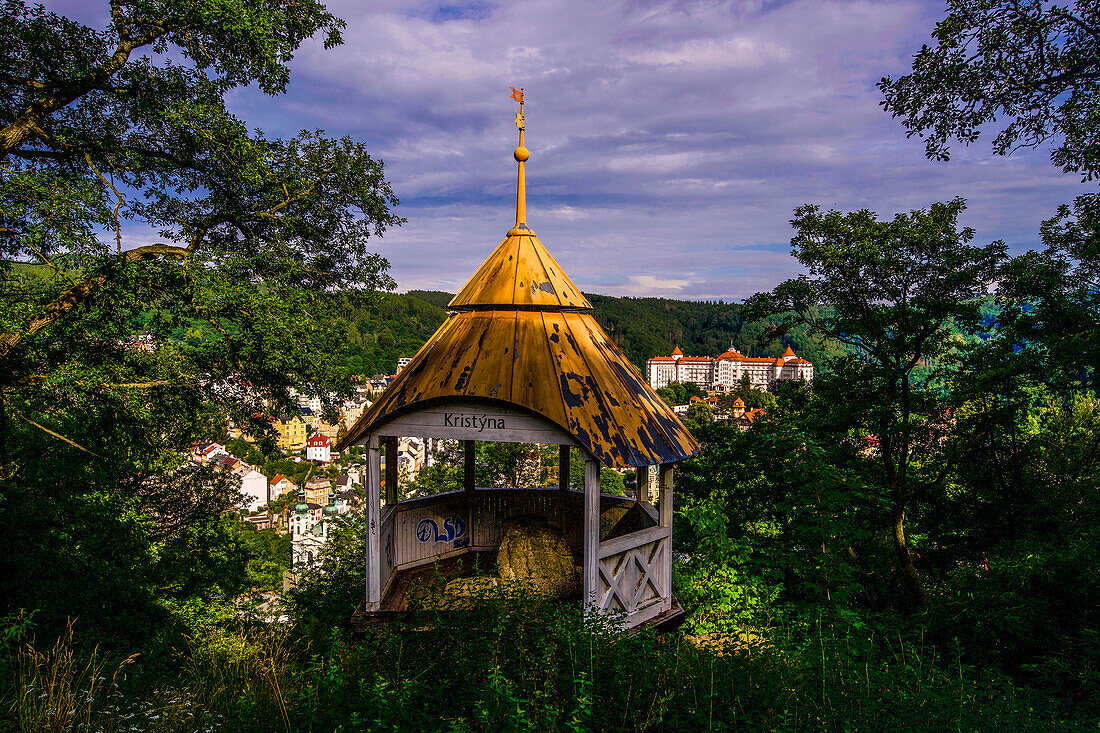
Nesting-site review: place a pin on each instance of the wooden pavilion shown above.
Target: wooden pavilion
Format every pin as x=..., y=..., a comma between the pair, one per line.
x=521, y=359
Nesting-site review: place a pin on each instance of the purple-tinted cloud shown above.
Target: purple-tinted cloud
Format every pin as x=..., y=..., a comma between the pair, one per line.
x=670, y=142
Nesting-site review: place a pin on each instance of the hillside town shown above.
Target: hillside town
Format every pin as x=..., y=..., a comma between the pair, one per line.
x=331, y=485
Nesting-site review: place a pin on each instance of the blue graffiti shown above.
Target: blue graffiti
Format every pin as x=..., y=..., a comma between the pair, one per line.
x=454, y=530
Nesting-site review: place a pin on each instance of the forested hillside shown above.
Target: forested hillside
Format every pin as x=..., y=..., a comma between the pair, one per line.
x=641, y=327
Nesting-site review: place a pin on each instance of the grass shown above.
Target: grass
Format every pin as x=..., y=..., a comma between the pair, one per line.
x=521, y=664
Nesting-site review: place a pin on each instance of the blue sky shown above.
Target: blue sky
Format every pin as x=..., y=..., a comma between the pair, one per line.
x=670, y=142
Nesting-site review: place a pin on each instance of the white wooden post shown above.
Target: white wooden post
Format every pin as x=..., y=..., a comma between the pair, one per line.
x=664, y=518
x=373, y=519
x=591, y=566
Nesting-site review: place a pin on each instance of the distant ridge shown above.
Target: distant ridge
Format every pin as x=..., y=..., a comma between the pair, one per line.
x=640, y=327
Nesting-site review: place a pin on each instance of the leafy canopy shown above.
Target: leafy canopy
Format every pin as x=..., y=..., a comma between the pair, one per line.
x=251, y=245
x=1033, y=65
x=894, y=292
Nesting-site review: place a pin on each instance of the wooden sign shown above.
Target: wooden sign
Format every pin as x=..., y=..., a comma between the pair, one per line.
x=466, y=421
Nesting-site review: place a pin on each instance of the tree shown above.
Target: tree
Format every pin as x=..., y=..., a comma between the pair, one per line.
x=1034, y=64
x=891, y=291
x=751, y=396
x=698, y=415
x=677, y=393
x=1050, y=302
x=116, y=354
x=611, y=481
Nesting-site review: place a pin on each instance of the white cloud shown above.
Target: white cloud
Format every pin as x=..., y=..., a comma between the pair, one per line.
x=709, y=53
x=653, y=285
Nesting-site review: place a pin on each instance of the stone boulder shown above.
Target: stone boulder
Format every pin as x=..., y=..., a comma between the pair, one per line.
x=535, y=554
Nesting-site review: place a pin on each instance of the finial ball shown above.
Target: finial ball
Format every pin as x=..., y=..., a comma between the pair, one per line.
x=521, y=154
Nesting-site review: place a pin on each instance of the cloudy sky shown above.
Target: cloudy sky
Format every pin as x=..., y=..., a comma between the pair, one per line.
x=669, y=141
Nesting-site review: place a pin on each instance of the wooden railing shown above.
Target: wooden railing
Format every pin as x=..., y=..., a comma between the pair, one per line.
x=635, y=574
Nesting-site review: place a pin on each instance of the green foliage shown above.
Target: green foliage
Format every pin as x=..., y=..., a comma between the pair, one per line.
x=676, y=393
x=752, y=397
x=647, y=327
x=1052, y=300
x=398, y=325
x=331, y=588
x=528, y=664
x=260, y=242
x=892, y=291
x=446, y=474
x=1029, y=67
x=698, y=415
x=640, y=327
x=268, y=556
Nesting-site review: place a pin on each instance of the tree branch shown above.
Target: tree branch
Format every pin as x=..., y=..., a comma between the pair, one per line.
x=46, y=430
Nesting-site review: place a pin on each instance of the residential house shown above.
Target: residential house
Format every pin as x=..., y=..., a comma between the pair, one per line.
x=254, y=486
x=318, y=448
x=357, y=472
x=259, y=521
x=207, y=452
x=316, y=490
x=744, y=417
x=347, y=501
x=280, y=484
x=411, y=454
x=352, y=409
x=293, y=432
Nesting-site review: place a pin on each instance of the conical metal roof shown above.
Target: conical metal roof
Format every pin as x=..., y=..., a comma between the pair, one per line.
x=521, y=336
x=519, y=273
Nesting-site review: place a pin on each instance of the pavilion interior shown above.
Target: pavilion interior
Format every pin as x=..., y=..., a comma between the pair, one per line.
x=422, y=550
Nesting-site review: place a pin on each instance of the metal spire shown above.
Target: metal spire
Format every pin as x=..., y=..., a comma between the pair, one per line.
x=521, y=154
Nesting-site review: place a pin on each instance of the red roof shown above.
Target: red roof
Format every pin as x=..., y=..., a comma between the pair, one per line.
x=278, y=477
x=318, y=440
x=677, y=352
x=696, y=358
x=789, y=351
x=663, y=359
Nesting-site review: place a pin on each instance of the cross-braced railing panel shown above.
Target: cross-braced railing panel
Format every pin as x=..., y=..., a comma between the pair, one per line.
x=635, y=580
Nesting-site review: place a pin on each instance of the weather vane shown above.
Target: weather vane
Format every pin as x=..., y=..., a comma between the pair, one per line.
x=517, y=94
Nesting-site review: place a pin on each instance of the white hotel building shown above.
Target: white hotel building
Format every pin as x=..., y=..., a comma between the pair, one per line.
x=724, y=372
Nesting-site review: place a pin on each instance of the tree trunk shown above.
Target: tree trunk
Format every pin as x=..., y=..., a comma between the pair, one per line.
x=910, y=590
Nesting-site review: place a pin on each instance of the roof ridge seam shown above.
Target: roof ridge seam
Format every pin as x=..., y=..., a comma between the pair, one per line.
x=553, y=362
x=599, y=395
x=515, y=270
x=668, y=438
